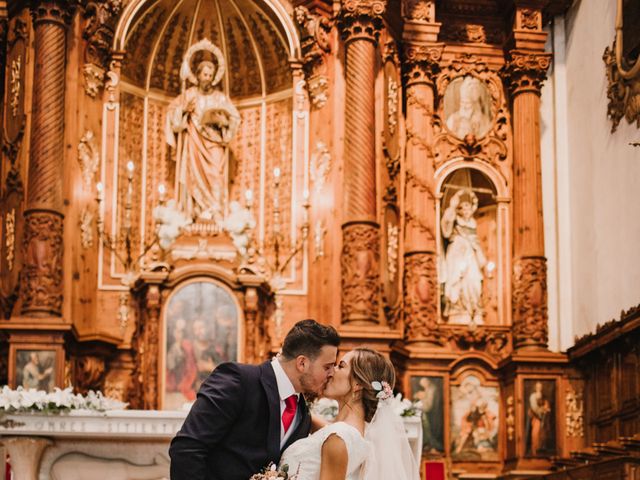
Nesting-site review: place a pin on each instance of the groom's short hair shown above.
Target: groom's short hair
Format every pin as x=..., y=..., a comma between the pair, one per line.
x=307, y=337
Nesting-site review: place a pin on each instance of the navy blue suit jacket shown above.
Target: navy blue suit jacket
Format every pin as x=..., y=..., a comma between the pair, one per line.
x=233, y=428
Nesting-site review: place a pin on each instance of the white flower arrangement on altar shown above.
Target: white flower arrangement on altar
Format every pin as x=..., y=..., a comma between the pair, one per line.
x=403, y=407
x=38, y=401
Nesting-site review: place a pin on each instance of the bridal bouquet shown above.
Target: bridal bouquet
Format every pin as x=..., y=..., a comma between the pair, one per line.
x=272, y=472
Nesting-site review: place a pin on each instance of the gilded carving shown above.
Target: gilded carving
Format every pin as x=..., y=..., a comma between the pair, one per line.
x=511, y=419
x=15, y=81
x=419, y=11
x=53, y=11
x=421, y=298
x=41, y=276
x=147, y=343
x=320, y=166
x=574, y=408
x=526, y=71
x=361, y=19
x=89, y=372
x=623, y=93
x=319, y=232
x=123, y=310
x=100, y=18
x=530, y=302
x=481, y=339
x=318, y=88
x=86, y=228
x=93, y=79
x=360, y=262
x=89, y=158
x=530, y=19
x=422, y=63
x=393, y=243
x=471, y=33
x=392, y=106
x=10, y=237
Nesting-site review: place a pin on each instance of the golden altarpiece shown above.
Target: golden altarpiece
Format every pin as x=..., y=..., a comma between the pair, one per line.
x=183, y=180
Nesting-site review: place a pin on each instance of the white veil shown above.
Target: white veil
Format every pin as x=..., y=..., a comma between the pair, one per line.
x=390, y=455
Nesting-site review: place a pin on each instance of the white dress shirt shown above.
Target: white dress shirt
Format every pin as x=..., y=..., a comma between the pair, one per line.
x=285, y=390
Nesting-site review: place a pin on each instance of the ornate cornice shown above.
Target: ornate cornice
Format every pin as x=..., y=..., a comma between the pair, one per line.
x=526, y=71
x=361, y=20
x=422, y=63
x=52, y=11
x=100, y=19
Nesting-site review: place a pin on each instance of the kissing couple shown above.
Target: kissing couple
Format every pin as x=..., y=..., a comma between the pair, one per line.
x=246, y=417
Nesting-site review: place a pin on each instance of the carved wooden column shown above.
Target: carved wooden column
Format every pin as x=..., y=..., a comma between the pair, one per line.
x=41, y=279
x=421, y=57
x=525, y=71
x=360, y=23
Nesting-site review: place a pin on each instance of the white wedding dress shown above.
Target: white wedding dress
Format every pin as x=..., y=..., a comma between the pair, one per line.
x=304, y=456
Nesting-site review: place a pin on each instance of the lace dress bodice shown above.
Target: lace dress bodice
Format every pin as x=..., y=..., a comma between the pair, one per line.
x=304, y=456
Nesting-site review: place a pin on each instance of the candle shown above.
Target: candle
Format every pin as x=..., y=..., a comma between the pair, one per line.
x=276, y=173
x=161, y=191
x=130, y=168
x=248, y=196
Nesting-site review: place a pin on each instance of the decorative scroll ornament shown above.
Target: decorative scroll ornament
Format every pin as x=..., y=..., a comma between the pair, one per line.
x=526, y=71
x=93, y=79
x=530, y=302
x=421, y=298
x=481, y=339
x=361, y=19
x=392, y=106
x=511, y=419
x=15, y=81
x=86, y=228
x=320, y=166
x=422, y=63
x=10, y=237
x=319, y=232
x=41, y=277
x=419, y=11
x=89, y=158
x=360, y=261
x=314, y=33
x=574, y=407
x=393, y=243
x=100, y=20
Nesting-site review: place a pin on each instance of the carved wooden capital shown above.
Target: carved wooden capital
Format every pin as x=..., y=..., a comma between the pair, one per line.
x=361, y=19
x=421, y=298
x=422, y=63
x=52, y=11
x=100, y=20
x=41, y=276
x=526, y=71
x=529, y=306
x=360, y=272
x=419, y=11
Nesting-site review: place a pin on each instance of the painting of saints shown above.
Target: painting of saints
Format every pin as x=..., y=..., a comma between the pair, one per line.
x=470, y=114
x=35, y=369
x=428, y=391
x=540, y=417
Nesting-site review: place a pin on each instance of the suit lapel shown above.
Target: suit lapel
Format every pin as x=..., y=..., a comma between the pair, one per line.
x=302, y=430
x=268, y=380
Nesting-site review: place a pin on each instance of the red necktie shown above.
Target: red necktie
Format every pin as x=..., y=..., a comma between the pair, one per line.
x=291, y=403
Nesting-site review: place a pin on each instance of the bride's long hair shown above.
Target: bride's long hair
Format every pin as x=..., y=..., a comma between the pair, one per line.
x=368, y=366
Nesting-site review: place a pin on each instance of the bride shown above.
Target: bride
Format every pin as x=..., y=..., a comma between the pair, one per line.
x=367, y=439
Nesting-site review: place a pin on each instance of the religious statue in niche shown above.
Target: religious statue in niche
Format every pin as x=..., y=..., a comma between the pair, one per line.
x=474, y=421
x=467, y=107
x=464, y=260
x=201, y=332
x=201, y=122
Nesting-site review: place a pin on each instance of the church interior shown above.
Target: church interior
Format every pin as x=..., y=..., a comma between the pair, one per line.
x=450, y=182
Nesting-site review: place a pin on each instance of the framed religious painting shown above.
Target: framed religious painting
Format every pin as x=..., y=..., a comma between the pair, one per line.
x=474, y=420
x=467, y=107
x=540, y=417
x=429, y=391
x=201, y=331
x=36, y=366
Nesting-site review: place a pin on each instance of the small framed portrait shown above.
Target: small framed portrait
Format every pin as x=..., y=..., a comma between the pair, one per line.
x=467, y=107
x=202, y=330
x=429, y=391
x=35, y=368
x=474, y=420
x=540, y=417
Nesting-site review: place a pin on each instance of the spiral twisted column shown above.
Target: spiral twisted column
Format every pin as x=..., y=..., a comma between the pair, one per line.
x=41, y=279
x=525, y=72
x=420, y=273
x=360, y=23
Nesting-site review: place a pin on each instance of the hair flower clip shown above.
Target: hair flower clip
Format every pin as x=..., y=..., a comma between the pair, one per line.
x=384, y=390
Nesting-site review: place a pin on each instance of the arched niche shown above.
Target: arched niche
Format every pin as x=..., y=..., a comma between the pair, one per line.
x=473, y=253
x=203, y=326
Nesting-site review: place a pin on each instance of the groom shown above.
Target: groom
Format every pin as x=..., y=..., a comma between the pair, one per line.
x=246, y=415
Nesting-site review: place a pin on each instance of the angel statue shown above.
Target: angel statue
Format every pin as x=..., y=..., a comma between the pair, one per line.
x=201, y=122
x=464, y=260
